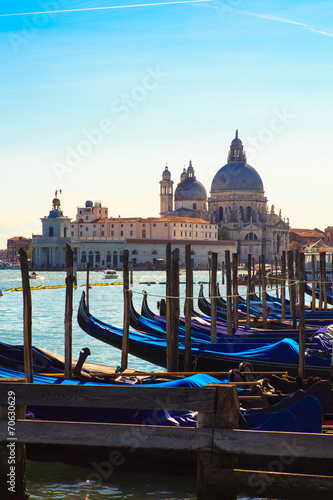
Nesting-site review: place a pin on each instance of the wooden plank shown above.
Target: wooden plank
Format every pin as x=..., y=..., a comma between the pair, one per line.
x=288, y=444
x=126, y=322
x=271, y=484
x=114, y=435
x=27, y=316
x=171, y=398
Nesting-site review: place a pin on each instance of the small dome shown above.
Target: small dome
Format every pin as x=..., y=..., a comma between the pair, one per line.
x=56, y=202
x=183, y=175
x=166, y=174
x=89, y=204
x=236, y=142
x=190, y=190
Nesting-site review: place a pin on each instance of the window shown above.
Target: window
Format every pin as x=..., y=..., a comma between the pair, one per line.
x=185, y=225
x=154, y=252
x=185, y=234
x=174, y=233
x=87, y=217
x=165, y=223
x=81, y=233
x=86, y=228
x=194, y=206
x=112, y=225
x=196, y=235
x=121, y=233
x=181, y=233
x=121, y=225
x=97, y=257
x=143, y=225
x=112, y=233
x=72, y=233
x=131, y=225
x=143, y=233
x=134, y=252
x=154, y=225
x=94, y=234
x=102, y=233
x=84, y=257
x=51, y=231
x=131, y=233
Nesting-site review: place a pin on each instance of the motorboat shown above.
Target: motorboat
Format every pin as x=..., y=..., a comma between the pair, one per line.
x=35, y=276
x=110, y=274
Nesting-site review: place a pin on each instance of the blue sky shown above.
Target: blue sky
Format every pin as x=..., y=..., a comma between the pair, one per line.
x=96, y=102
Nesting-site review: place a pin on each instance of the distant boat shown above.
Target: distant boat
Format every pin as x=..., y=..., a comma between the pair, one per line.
x=110, y=274
x=35, y=276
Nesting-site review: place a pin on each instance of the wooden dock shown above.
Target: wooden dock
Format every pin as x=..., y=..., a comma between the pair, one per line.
x=216, y=439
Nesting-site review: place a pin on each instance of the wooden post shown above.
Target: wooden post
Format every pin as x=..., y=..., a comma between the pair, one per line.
x=323, y=257
x=12, y=453
x=301, y=315
x=292, y=293
x=127, y=299
x=235, y=289
x=131, y=272
x=259, y=276
x=225, y=416
x=27, y=315
x=248, y=290
x=188, y=364
x=276, y=277
x=213, y=298
x=313, y=281
x=174, y=361
x=87, y=286
x=229, y=297
x=283, y=285
x=264, y=302
x=321, y=278
x=168, y=304
x=223, y=272
x=69, y=310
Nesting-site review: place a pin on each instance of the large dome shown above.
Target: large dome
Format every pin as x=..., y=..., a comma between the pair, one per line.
x=190, y=190
x=237, y=176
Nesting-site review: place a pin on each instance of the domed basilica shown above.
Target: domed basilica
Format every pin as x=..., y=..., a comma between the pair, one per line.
x=237, y=203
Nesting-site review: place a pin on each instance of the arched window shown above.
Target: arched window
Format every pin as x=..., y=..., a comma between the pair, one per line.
x=108, y=256
x=251, y=236
x=97, y=257
x=220, y=213
x=143, y=233
x=241, y=209
x=134, y=252
x=248, y=213
x=83, y=257
x=154, y=252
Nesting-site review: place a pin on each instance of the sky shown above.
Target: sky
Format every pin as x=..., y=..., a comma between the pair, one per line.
x=96, y=97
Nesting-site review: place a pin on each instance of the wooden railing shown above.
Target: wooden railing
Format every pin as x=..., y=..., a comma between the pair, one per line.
x=216, y=438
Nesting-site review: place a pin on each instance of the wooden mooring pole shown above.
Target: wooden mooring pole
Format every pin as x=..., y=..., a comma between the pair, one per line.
x=235, y=289
x=213, y=299
x=70, y=278
x=301, y=314
x=229, y=296
x=174, y=313
x=264, y=303
x=27, y=317
x=313, y=282
x=248, y=290
x=292, y=291
x=87, y=286
x=188, y=364
x=168, y=305
x=127, y=300
x=283, y=285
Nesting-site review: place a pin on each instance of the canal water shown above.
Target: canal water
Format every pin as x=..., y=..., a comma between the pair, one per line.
x=47, y=480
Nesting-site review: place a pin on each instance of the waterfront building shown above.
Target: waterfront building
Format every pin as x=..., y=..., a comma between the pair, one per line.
x=13, y=246
x=100, y=240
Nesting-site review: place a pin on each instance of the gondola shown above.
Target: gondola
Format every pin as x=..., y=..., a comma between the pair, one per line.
x=279, y=356
x=201, y=328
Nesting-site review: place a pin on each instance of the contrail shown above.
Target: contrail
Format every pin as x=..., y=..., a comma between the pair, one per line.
x=288, y=21
x=102, y=8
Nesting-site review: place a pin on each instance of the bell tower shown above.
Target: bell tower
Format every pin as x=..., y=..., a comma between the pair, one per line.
x=166, y=193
